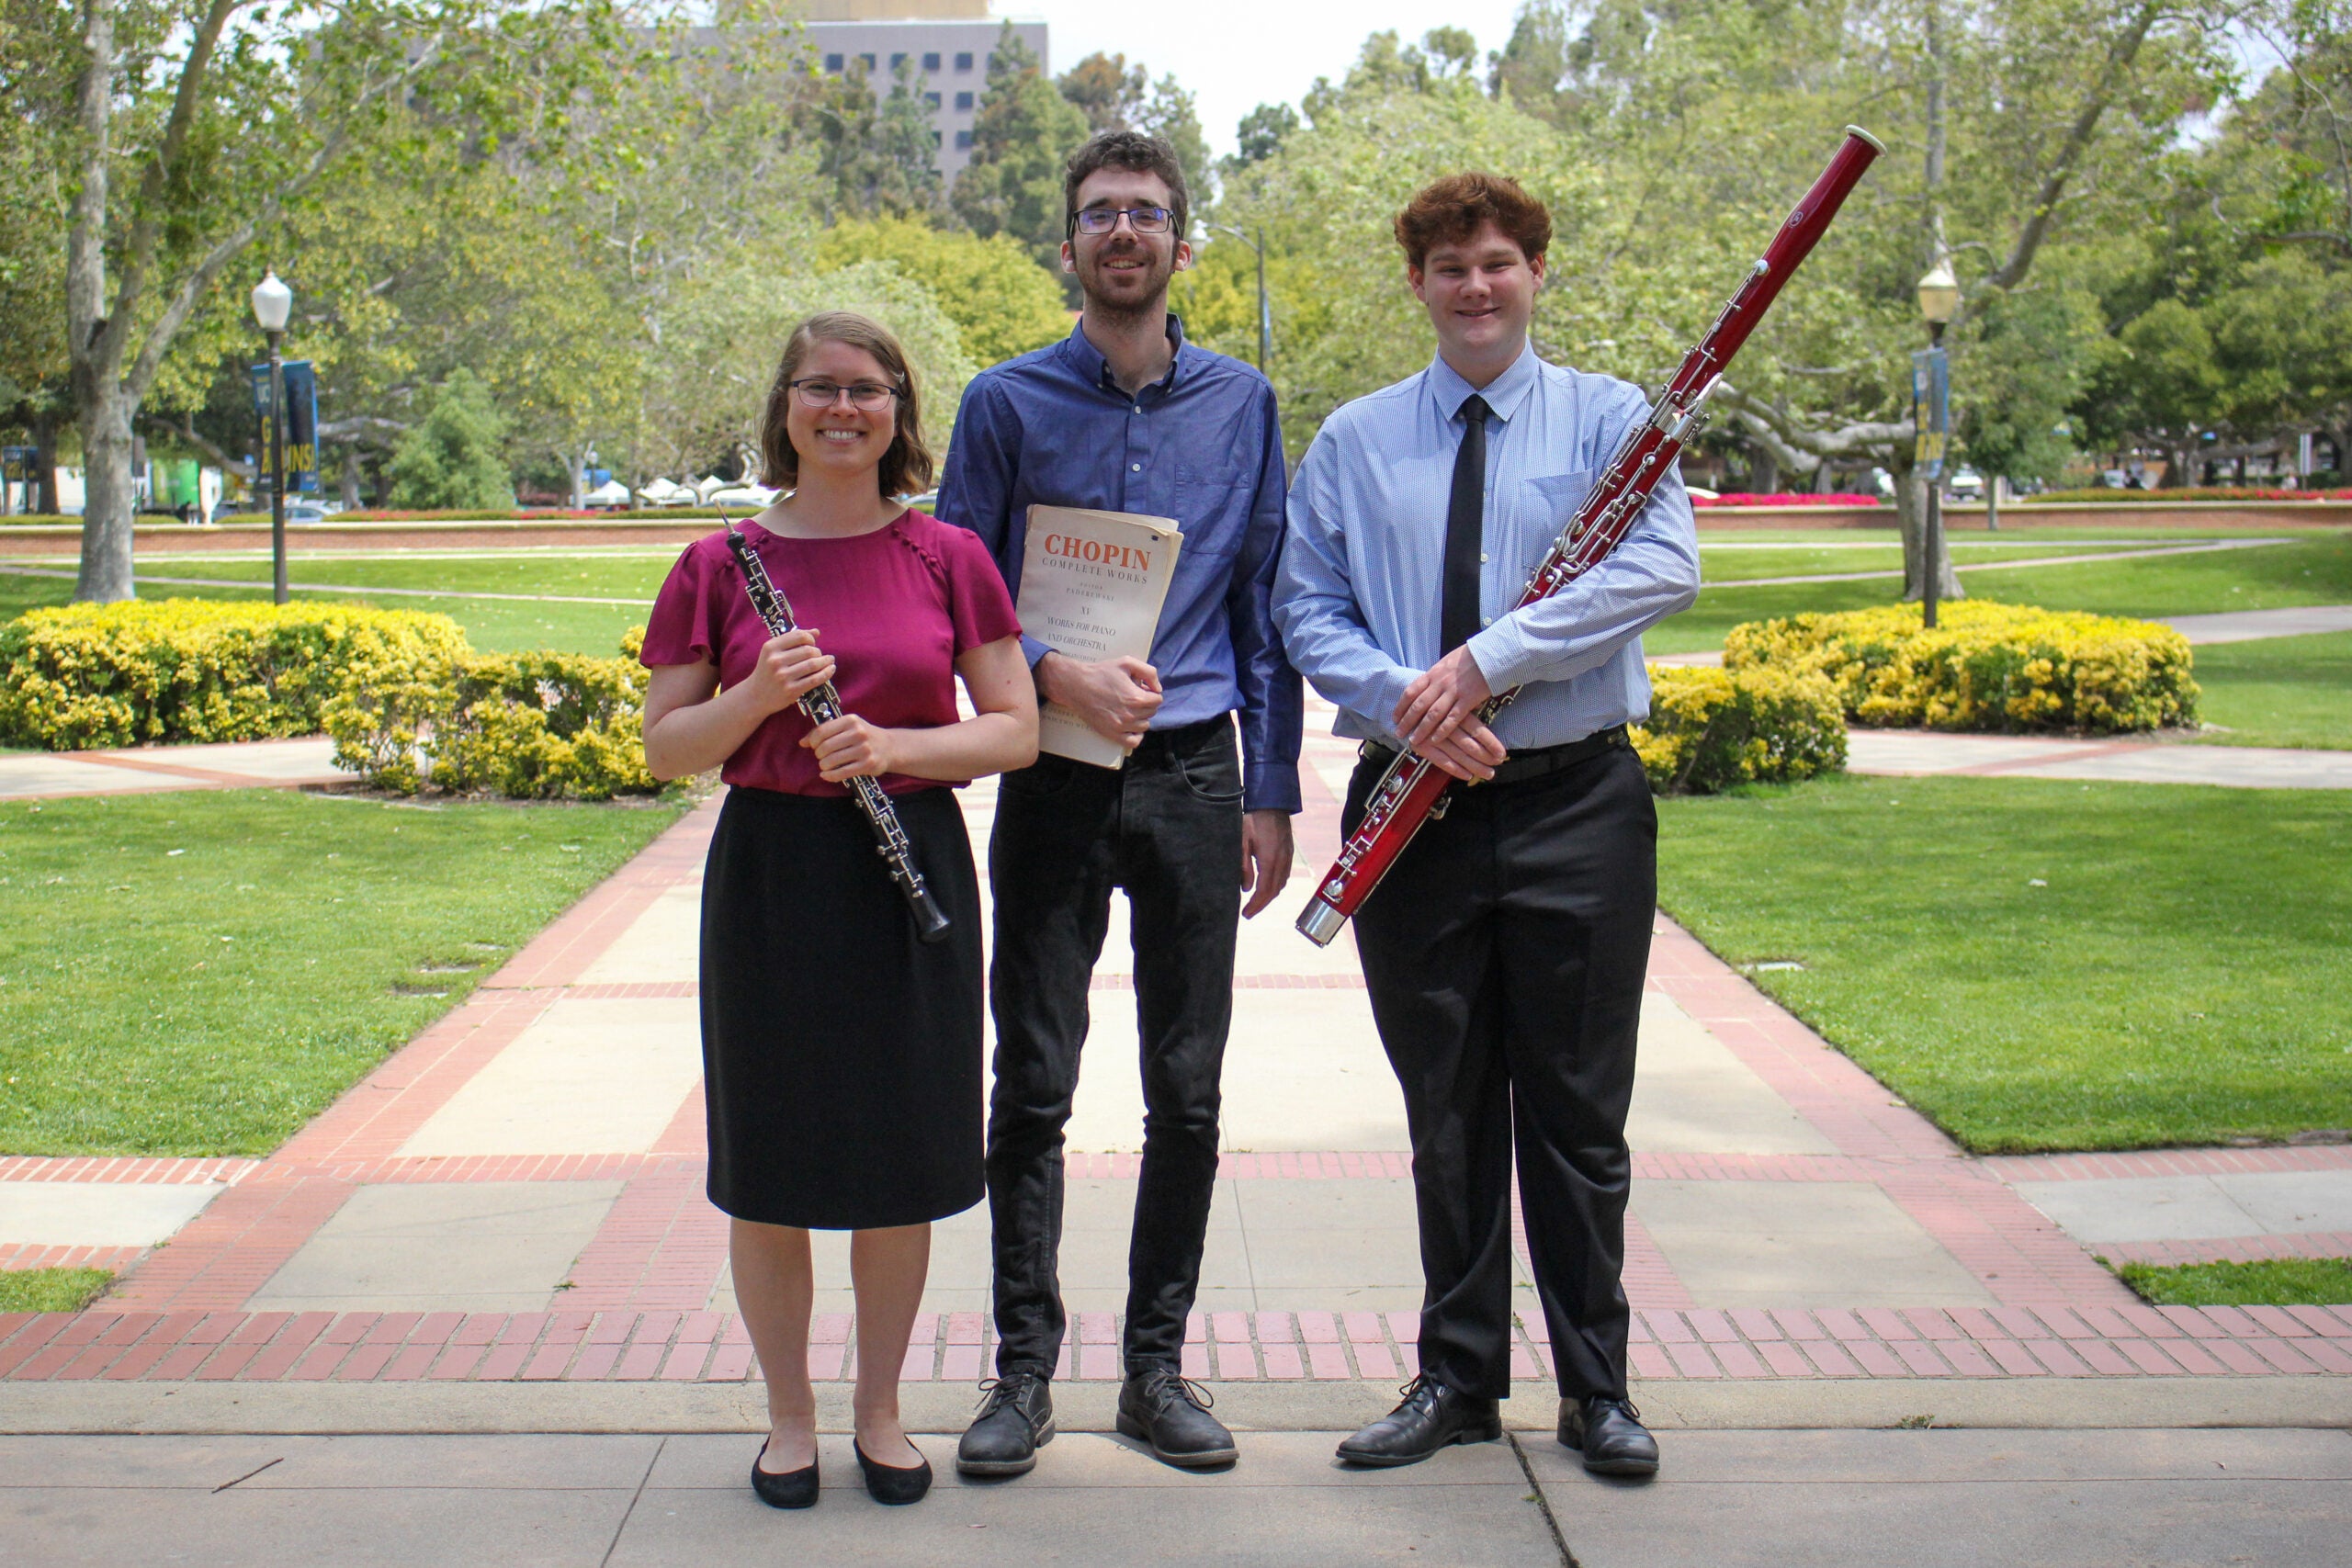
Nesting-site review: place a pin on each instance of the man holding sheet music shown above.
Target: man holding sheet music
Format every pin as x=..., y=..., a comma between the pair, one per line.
x=1125, y=416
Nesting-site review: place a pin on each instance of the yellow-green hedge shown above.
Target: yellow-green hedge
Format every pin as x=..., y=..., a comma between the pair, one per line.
x=92, y=676
x=534, y=725
x=1708, y=730
x=1986, y=666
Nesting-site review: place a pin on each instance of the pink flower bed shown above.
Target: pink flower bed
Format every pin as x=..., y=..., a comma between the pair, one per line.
x=1783, y=498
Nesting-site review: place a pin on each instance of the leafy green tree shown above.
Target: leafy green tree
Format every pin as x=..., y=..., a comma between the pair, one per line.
x=1118, y=96
x=455, y=457
x=179, y=131
x=876, y=152
x=1023, y=135
x=1263, y=130
x=731, y=336
x=1001, y=301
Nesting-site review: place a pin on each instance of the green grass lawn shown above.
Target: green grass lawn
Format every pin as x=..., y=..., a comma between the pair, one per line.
x=199, y=973
x=51, y=1290
x=2280, y=1282
x=1741, y=559
x=493, y=625
x=2287, y=691
x=2042, y=964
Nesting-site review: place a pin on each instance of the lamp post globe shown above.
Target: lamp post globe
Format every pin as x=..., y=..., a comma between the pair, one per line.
x=273, y=304
x=1939, y=297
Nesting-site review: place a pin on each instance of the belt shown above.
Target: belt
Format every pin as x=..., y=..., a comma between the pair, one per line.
x=1535, y=762
x=1184, y=736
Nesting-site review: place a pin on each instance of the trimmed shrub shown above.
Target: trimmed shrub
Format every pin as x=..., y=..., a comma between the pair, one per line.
x=195, y=669
x=1708, y=730
x=530, y=725
x=1985, y=667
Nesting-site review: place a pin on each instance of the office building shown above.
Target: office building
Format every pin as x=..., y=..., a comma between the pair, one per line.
x=948, y=41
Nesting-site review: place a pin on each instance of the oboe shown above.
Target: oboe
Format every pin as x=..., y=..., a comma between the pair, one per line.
x=823, y=705
x=1413, y=789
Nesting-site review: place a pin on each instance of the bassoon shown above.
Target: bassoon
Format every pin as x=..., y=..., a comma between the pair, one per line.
x=823, y=704
x=1413, y=789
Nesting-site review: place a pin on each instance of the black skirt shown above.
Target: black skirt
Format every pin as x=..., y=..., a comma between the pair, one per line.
x=841, y=1054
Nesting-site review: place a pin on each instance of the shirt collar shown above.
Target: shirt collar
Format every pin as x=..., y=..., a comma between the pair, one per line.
x=1503, y=394
x=1090, y=363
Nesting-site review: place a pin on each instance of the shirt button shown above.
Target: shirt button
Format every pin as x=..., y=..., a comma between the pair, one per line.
x=1138, y=407
x=1486, y=620
x=1483, y=559
x=1135, y=466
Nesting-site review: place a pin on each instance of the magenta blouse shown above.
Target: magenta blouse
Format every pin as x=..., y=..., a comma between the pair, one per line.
x=894, y=607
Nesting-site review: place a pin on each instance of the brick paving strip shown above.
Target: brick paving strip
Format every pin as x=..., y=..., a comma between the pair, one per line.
x=637, y=1308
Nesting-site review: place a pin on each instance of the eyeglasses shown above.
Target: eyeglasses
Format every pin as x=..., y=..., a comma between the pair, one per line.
x=1102, y=219
x=871, y=396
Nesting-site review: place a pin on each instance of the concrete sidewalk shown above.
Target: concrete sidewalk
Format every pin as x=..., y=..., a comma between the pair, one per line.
x=2111, y=759
x=515, y=1198
x=1774, y=1499
x=142, y=769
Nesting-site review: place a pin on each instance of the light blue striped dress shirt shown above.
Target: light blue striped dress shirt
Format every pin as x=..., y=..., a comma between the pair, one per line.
x=1363, y=568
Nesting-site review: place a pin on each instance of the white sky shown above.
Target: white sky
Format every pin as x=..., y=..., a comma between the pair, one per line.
x=1236, y=54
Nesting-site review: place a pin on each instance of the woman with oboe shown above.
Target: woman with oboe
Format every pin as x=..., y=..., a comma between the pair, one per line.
x=841, y=1051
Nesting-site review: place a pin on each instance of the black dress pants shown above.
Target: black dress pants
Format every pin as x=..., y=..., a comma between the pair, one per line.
x=1166, y=829
x=1504, y=953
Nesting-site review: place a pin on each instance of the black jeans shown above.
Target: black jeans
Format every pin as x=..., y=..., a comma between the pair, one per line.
x=1504, y=953
x=1166, y=827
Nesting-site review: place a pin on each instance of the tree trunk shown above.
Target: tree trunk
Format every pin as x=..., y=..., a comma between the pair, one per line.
x=108, y=497
x=1763, y=470
x=44, y=432
x=1911, y=510
x=351, y=478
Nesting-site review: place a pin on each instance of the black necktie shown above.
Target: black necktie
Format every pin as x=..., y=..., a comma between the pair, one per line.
x=1465, y=528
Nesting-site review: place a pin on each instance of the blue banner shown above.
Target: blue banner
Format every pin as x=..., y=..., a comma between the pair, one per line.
x=1930, y=411
x=301, y=422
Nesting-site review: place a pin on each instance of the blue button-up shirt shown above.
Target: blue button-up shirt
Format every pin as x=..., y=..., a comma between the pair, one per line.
x=1202, y=446
x=1362, y=573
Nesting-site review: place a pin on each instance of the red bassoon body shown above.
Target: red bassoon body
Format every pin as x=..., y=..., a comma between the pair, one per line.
x=1411, y=791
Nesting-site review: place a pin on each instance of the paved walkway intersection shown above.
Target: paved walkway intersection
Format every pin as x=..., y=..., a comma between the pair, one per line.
x=516, y=1195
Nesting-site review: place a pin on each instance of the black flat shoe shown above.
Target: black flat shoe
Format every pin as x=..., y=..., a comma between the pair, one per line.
x=789, y=1489
x=889, y=1483
x=1431, y=1416
x=1610, y=1434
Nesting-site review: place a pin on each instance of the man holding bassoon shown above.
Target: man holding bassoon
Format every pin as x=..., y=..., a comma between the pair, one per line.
x=1506, y=949
x=1500, y=848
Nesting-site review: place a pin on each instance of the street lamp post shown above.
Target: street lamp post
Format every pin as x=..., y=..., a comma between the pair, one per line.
x=272, y=302
x=1939, y=301
x=1265, y=302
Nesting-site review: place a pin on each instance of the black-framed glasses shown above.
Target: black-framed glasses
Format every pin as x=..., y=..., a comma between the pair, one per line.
x=872, y=397
x=1102, y=219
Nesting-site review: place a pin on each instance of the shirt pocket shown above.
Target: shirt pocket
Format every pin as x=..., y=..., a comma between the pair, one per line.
x=1555, y=497
x=1209, y=500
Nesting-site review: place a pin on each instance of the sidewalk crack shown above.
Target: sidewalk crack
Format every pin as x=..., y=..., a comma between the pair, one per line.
x=1543, y=1502
x=630, y=1512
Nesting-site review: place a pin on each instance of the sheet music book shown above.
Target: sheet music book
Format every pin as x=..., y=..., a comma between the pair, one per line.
x=1092, y=586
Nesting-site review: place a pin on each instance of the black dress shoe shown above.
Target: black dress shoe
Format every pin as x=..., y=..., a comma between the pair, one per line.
x=890, y=1482
x=1430, y=1416
x=788, y=1489
x=1016, y=1419
x=1611, y=1434
x=1172, y=1414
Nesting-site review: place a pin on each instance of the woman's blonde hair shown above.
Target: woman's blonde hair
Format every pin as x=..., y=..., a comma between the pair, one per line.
x=907, y=466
